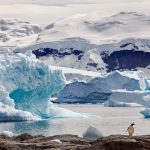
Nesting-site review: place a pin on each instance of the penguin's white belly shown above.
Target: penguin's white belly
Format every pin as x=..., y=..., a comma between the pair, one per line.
x=130, y=130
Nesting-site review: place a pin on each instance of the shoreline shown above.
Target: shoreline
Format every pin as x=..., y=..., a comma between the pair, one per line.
x=74, y=142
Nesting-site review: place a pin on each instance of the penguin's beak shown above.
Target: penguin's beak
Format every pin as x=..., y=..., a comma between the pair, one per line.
x=132, y=124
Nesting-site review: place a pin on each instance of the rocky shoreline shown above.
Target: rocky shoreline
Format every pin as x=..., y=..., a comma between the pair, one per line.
x=73, y=142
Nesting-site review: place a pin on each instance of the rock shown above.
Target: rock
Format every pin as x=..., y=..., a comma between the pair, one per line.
x=92, y=133
x=23, y=137
x=73, y=142
x=121, y=142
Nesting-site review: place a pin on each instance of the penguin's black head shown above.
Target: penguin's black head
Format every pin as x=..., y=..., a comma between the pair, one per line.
x=132, y=124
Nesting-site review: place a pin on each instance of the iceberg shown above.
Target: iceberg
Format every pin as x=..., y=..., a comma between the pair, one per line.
x=26, y=86
x=120, y=104
x=123, y=98
x=92, y=134
x=99, y=89
x=146, y=111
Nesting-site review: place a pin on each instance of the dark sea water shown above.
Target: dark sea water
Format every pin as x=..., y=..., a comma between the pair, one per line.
x=108, y=120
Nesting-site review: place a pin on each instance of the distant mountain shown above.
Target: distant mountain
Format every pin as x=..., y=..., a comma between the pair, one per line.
x=12, y=28
x=119, y=42
x=14, y=33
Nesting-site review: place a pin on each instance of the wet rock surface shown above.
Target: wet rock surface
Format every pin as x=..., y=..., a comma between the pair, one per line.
x=73, y=142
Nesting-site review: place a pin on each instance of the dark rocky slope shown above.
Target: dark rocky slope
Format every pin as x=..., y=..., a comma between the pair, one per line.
x=73, y=142
x=126, y=60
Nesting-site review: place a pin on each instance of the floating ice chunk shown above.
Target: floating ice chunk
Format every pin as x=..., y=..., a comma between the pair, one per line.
x=99, y=89
x=120, y=104
x=7, y=133
x=147, y=100
x=9, y=113
x=123, y=98
x=146, y=112
x=92, y=133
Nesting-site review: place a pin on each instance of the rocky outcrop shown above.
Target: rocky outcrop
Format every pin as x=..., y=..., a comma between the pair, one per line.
x=28, y=142
x=73, y=142
x=121, y=142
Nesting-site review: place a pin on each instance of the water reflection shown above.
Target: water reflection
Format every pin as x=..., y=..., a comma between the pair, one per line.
x=111, y=121
x=45, y=127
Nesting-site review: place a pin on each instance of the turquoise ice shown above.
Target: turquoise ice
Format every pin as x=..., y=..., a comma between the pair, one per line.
x=26, y=86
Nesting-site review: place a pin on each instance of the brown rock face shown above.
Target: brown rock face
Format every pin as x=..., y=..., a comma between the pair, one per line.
x=120, y=142
x=73, y=142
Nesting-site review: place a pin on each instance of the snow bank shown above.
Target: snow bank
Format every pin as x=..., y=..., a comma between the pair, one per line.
x=26, y=86
x=99, y=89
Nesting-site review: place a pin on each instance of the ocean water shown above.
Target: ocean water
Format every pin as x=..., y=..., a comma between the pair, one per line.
x=108, y=120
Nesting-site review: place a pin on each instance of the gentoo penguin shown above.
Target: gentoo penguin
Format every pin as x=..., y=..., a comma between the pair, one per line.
x=131, y=129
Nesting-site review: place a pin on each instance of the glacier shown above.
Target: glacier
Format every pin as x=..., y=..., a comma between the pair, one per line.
x=101, y=89
x=26, y=86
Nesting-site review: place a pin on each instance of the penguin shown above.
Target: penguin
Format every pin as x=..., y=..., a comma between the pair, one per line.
x=131, y=129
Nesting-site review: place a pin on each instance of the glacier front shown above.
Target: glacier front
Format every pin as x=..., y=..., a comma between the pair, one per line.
x=26, y=85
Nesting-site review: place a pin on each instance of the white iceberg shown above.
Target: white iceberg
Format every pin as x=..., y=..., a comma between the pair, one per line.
x=146, y=111
x=121, y=104
x=92, y=133
x=99, y=89
x=123, y=98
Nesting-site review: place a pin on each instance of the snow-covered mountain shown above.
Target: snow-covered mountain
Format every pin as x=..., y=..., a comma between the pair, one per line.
x=118, y=42
x=14, y=33
x=11, y=28
x=99, y=31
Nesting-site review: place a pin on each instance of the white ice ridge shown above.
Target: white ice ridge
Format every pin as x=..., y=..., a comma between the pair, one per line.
x=100, y=89
x=26, y=85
